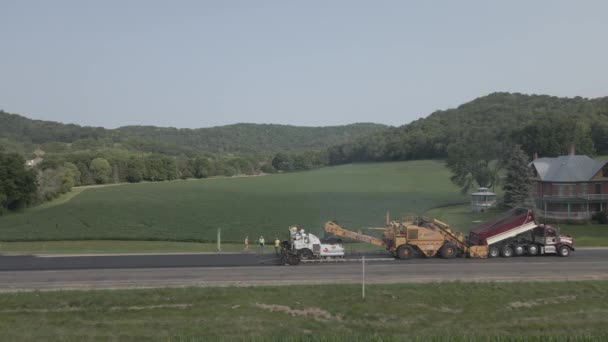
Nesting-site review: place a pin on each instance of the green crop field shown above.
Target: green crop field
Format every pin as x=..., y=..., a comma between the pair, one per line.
x=356, y=195
x=445, y=311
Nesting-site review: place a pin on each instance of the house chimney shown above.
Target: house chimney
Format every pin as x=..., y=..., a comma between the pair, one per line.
x=572, y=150
x=535, y=156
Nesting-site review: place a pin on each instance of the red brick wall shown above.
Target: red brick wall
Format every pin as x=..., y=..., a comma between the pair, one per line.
x=544, y=188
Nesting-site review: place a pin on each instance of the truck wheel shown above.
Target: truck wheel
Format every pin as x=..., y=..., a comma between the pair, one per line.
x=518, y=250
x=532, y=250
x=507, y=251
x=293, y=259
x=563, y=251
x=405, y=252
x=284, y=259
x=306, y=254
x=493, y=252
x=448, y=251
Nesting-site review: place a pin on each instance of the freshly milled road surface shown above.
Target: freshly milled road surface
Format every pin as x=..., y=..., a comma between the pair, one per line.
x=47, y=273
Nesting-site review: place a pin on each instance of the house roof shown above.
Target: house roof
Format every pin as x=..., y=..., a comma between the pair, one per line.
x=483, y=192
x=570, y=168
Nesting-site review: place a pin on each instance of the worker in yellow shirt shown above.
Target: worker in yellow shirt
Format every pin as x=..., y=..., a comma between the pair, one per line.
x=277, y=244
x=262, y=242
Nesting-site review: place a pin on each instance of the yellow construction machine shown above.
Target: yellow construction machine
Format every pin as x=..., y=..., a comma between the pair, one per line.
x=413, y=235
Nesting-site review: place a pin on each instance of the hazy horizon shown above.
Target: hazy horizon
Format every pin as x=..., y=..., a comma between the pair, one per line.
x=272, y=123
x=190, y=64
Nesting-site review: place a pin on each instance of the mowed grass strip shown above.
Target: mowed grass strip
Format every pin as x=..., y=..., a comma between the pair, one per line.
x=391, y=312
x=356, y=195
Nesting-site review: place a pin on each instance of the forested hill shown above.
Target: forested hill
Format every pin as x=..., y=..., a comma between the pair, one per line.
x=255, y=138
x=21, y=134
x=540, y=123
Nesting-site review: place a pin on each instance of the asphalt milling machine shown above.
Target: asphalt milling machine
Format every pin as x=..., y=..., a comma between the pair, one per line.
x=514, y=233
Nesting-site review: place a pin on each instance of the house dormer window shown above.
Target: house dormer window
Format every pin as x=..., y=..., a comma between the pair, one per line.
x=605, y=170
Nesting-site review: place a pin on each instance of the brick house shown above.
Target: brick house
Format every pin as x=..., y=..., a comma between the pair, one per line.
x=572, y=187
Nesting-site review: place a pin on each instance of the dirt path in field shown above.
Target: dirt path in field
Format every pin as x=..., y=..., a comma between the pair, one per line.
x=542, y=301
x=316, y=313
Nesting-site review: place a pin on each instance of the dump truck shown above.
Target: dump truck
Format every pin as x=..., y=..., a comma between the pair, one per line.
x=511, y=234
x=516, y=233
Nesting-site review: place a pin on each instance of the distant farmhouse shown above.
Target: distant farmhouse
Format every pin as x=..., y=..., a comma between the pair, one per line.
x=572, y=187
x=37, y=160
x=33, y=162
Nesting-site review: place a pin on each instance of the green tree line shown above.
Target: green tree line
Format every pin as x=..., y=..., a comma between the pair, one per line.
x=24, y=134
x=22, y=186
x=541, y=124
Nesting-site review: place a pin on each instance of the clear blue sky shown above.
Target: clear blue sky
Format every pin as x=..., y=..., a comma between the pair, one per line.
x=206, y=63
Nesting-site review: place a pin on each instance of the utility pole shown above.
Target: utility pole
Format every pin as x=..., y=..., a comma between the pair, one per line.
x=219, y=239
x=363, y=278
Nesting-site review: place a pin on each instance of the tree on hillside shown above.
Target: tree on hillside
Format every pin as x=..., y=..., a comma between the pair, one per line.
x=517, y=182
x=552, y=136
x=201, y=167
x=17, y=184
x=282, y=162
x=473, y=163
x=71, y=176
x=101, y=170
x=302, y=161
x=599, y=134
x=53, y=182
x=86, y=177
x=49, y=184
x=267, y=168
x=135, y=168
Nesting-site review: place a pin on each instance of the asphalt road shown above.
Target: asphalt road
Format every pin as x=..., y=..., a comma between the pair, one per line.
x=48, y=273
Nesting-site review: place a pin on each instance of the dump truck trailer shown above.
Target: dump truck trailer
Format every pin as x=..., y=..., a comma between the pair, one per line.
x=516, y=233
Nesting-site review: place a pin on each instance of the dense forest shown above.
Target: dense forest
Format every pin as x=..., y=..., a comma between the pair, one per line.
x=21, y=134
x=543, y=124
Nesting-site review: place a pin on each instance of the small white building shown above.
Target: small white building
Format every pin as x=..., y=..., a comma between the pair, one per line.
x=483, y=199
x=33, y=162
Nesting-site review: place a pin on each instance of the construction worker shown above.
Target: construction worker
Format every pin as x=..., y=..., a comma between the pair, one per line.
x=246, y=244
x=277, y=244
x=262, y=242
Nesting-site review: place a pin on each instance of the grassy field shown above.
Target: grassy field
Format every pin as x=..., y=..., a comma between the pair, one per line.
x=462, y=219
x=392, y=312
x=356, y=195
